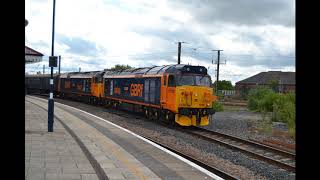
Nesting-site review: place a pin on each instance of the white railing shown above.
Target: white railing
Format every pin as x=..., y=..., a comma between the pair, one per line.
x=227, y=92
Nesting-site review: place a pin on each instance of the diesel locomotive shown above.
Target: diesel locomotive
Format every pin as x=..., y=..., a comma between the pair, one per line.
x=179, y=94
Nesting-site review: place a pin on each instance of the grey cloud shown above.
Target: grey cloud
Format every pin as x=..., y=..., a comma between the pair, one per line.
x=150, y=60
x=41, y=44
x=240, y=12
x=200, y=40
x=91, y=61
x=241, y=60
x=80, y=46
x=249, y=38
x=267, y=61
x=181, y=34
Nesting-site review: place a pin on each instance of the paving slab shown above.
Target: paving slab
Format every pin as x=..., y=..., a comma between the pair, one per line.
x=43, y=150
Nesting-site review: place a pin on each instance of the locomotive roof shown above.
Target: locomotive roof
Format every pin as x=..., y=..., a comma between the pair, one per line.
x=88, y=74
x=158, y=70
x=154, y=70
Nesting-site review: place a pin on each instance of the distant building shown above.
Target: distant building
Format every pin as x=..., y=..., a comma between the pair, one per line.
x=285, y=82
x=32, y=56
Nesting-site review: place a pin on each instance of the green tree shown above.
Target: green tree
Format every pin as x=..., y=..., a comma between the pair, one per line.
x=119, y=67
x=224, y=85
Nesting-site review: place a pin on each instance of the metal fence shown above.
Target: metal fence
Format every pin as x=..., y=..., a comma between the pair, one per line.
x=227, y=92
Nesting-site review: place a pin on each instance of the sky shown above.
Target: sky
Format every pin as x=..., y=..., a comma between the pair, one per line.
x=255, y=36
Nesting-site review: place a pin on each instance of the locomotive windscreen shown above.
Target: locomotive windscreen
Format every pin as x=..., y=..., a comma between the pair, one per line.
x=193, y=80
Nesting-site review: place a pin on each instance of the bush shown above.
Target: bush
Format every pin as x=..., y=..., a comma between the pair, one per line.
x=217, y=106
x=256, y=99
x=282, y=106
x=267, y=101
x=220, y=96
x=284, y=110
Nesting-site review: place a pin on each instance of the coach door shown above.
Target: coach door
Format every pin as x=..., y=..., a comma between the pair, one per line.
x=164, y=86
x=171, y=92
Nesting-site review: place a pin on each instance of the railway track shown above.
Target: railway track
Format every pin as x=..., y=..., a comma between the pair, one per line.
x=196, y=160
x=280, y=158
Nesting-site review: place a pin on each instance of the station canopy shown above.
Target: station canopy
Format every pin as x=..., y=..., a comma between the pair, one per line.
x=32, y=56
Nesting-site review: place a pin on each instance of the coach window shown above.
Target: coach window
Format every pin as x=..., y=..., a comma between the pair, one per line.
x=171, y=81
x=111, y=87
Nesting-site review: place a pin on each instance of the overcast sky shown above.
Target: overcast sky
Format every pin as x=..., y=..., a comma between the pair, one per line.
x=255, y=36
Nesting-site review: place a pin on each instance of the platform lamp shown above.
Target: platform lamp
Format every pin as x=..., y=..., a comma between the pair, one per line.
x=52, y=63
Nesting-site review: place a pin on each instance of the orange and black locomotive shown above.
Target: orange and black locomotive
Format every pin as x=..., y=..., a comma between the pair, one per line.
x=181, y=94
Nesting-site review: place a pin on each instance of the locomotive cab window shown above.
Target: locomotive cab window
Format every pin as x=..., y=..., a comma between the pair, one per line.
x=186, y=80
x=171, y=81
x=194, y=80
x=203, y=81
x=165, y=80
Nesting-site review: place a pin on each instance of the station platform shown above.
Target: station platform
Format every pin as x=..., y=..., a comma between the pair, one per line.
x=84, y=146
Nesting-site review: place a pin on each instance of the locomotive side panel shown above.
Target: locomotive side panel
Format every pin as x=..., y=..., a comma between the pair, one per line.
x=75, y=85
x=145, y=90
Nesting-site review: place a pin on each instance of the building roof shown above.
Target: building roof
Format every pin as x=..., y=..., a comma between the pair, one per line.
x=32, y=52
x=32, y=56
x=265, y=78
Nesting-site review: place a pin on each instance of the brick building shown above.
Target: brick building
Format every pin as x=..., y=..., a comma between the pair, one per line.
x=286, y=82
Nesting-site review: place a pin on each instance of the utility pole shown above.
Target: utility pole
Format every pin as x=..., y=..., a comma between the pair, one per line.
x=218, y=63
x=179, y=51
x=59, y=63
x=79, y=69
x=43, y=71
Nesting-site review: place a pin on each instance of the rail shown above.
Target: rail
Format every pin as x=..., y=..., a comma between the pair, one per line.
x=278, y=157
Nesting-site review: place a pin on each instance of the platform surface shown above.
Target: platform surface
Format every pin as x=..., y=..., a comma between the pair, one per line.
x=83, y=146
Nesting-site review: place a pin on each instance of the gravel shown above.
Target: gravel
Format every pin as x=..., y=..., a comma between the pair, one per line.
x=245, y=124
x=227, y=160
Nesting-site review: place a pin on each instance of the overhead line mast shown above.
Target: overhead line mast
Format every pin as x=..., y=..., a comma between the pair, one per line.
x=218, y=63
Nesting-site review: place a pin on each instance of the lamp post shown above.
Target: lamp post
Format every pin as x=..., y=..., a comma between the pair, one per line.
x=52, y=63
